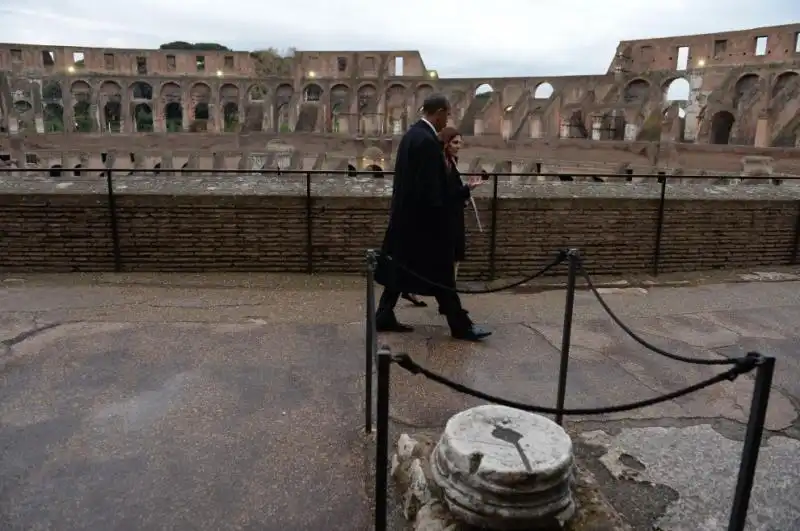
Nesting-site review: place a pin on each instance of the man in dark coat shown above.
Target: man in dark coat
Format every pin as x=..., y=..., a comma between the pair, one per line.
x=420, y=237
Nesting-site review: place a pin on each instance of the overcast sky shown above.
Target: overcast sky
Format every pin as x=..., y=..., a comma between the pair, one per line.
x=458, y=38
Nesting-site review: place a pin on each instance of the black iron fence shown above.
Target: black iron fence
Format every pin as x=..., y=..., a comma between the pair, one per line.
x=379, y=363
x=307, y=176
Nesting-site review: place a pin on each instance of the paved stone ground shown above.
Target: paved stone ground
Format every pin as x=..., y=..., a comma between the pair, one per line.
x=164, y=402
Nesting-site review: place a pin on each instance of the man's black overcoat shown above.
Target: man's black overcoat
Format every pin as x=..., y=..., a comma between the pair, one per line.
x=420, y=235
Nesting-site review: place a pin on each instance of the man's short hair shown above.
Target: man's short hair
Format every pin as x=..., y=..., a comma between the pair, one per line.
x=435, y=103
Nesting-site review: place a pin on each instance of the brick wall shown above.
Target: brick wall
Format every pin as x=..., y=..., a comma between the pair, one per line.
x=61, y=232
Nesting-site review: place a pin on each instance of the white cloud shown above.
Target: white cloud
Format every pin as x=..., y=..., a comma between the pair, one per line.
x=498, y=37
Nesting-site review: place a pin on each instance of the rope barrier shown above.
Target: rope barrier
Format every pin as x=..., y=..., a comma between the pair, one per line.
x=742, y=366
x=560, y=257
x=640, y=340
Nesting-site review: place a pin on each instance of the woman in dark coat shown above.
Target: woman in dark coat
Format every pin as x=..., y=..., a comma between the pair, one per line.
x=459, y=194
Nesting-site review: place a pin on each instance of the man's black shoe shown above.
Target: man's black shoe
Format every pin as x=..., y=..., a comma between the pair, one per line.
x=392, y=326
x=473, y=333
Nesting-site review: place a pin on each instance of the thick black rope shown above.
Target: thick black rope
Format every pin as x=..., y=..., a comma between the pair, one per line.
x=744, y=365
x=562, y=255
x=625, y=328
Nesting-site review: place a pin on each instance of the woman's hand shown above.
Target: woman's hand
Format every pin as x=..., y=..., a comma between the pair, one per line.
x=474, y=182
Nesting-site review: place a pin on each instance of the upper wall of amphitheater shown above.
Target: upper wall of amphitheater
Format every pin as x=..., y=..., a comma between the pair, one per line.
x=751, y=47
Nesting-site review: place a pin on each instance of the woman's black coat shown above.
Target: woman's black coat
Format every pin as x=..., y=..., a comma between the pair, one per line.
x=459, y=194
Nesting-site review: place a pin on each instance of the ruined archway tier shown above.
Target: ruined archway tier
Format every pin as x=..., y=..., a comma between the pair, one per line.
x=655, y=90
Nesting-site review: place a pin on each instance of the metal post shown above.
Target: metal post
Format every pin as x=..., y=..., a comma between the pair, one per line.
x=659, y=224
x=573, y=256
x=765, y=367
x=493, y=233
x=112, y=215
x=796, y=243
x=382, y=442
x=372, y=337
x=309, y=228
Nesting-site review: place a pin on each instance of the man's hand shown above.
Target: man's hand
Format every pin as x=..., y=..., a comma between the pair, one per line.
x=474, y=182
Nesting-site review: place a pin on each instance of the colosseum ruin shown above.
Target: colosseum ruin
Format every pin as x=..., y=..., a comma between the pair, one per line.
x=691, y=105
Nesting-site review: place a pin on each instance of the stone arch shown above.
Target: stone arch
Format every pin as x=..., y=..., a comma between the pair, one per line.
x=283, y=94
x=543, y=91
x=143, y=118
x=80, y=90
x=230, y=117
x=283, y=121
x=372, y=153
x=676, y=90
x=200, y=93
x=483, y=89
x=229, y=92
x=173, y=117
x=377, y=171
x=77, y=170
x=312, y=93
x=783, y=80
x=171, y=92
x=53, y=115
x=51, y=90
x=743, y=86
x=55, y=170
x=139, y=90
x=367, y=99
x=201, y=114
x=111, y=95
x=421, y=94
x=396, y=115
x=721, y=126
x=82, y=113
x=351, y=171
x=256, y=93
x=340, y=98
x=637, y=90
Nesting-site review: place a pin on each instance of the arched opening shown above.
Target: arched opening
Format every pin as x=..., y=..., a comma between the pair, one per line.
x=484, y=91
x=677, y=90
x=185, y=166
x=173, y=115
x=283, y=119
x=77, y=170
x=112, y=113
x=351, y=170
x=543, y=91
x=83, y=117
x=141, y=91
x=637, y=90
x=24, y=114
x=721, y=125
x=157, y=169
x=377, y=171
x=200, y=118
x=782, y=81
x=53, y=118
x=51, y=91
x=55, y=170
x=746, y=86
x=143, y=118
x=565, y=178
x=230, y=117
x=312, y=93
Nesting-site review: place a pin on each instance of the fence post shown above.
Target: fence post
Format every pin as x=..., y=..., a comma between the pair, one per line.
x=372, y=337
x=112, y=214
x=659, y=224
x=573, y=257
x=309, y=228
x=796, y=242
x=765, y=367
x=382, y=440
x=493, y=233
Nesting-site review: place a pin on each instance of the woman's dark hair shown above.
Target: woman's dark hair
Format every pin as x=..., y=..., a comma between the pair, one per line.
x=447, y=134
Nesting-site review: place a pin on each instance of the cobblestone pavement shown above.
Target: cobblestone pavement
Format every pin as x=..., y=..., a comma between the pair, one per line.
x=143, y=402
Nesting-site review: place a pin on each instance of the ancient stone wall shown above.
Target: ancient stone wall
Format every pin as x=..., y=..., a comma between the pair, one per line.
x=729, y=88
x=236, y=226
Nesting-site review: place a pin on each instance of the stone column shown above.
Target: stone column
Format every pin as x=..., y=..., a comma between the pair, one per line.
x=186, y=109
x=564, y=131
x=631, y=131
x=536, y=126
x=763, y=130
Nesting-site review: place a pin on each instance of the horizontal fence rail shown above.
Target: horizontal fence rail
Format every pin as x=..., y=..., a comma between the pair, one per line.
x=487, y=245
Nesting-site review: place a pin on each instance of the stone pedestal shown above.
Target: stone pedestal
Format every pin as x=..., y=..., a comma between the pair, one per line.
x=504, y=469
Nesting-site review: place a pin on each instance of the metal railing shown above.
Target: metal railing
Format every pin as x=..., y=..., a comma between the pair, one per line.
x=84, y=174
